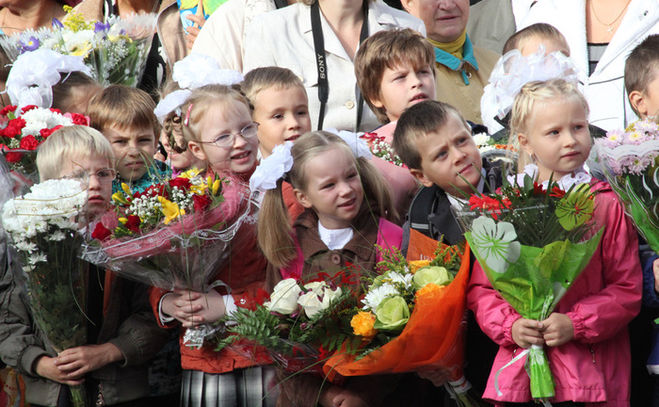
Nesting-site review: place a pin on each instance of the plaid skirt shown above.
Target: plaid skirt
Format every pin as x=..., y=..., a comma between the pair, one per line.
x=250, y=387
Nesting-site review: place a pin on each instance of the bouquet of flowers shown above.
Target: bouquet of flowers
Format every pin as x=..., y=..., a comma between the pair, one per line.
x=495, y=151
x=380, y=148
x=631, y=164
x=23, y=130
x=411, y=319
x=175, y=234
x=43, y=230
x=301, y=323
x=115, y=50
x=532, y=243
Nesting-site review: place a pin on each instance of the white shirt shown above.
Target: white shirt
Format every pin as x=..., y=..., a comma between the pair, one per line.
x=284, y=38
x=335, y=239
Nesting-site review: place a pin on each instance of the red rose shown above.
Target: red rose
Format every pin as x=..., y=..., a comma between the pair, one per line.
x=133, y=223
x=45, y=133
x=29, y=143
x=201, y=202
x=181, y=183
x=7, y=109
x=14, y=128
x=101, y=232
x=28, y=108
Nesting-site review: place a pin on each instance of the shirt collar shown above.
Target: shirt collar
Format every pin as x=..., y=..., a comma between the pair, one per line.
x=334, y=239
x=453, y=63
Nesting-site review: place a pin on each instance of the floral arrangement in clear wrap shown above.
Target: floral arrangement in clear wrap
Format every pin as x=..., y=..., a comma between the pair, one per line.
x=43, y=226
x=301, y=324
x=417, y=304
x=630, y=161
x=532, y=242
x=22, y=130
x=115, y=50
x=175, y=235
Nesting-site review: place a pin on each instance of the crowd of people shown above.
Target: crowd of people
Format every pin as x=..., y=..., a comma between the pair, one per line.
x=545, y=77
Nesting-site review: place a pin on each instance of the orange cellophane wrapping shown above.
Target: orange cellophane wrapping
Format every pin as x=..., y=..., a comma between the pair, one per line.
x=433, y=337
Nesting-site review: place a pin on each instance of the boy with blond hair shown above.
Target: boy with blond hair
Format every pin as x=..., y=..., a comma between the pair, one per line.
x=125, y=117
x=121, y=334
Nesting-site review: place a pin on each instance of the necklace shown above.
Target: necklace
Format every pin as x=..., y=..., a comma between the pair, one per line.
x=609, y=26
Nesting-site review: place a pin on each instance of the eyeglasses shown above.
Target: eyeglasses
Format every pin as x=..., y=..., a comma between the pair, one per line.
x=104, y=174
x=226, y=140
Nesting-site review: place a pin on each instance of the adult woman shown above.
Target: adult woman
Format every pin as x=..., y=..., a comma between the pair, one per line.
x=601, y=33
x=318, y=41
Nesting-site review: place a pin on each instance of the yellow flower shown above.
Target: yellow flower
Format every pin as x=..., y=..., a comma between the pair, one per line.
x=191, y=173
x=123, y=220
x=125, y=188
x=216, y=186
x=362, y=324
x=75, y=21
x=429, y=289
x=119, y=198
x=417, y=264
x=81, y=50
x=170, y=209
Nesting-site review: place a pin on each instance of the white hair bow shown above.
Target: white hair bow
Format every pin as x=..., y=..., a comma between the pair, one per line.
x=192, y=72
x=358, y=145
x=34, y=73
x=272, y=168
x=513, y=71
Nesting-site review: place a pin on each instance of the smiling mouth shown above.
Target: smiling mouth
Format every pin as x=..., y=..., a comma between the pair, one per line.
x=348, y=203
x=240, y=156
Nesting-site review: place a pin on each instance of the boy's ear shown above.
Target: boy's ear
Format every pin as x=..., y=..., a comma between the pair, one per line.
x=302, y=198
x=637, y=101
x=197, y=150
x=376, y=102
x=421, y=177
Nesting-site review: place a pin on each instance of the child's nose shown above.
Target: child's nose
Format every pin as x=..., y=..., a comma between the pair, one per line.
x=294, y=122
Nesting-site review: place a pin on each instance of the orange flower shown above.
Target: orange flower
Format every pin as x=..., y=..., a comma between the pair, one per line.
x=429, y=289
x=362, y=324
x=417, y=264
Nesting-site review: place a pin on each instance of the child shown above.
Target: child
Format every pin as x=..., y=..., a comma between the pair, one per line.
x=218, y=128
x=121, y=335
x=642, y=86
x=346, y=205
x=528, y=40
x=73, y=92
x=125, y=117
x=395, y=70
x=642, y=77
x=586, y=338
x=280, y=106
x=177, y=154
x=435, y=143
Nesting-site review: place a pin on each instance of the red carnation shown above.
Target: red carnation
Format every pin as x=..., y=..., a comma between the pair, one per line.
x=55, y=110
x=133, y=223
x=45, y=133
x=201, y=202
x=28, y=108
x=12, y=157
x=29, y=142
x=7, y=109
x=101, y=232
x=14, y=128
x=488, y=204
x=538, y=189
x=79, y=119
x=181, y=183
x=557, y=192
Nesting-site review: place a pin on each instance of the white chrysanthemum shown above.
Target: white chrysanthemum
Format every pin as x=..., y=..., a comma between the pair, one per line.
x=481, y=139
x=404, y=279
x=57, y=236
x=375, y=296
x=24, y=246
x=36, y=258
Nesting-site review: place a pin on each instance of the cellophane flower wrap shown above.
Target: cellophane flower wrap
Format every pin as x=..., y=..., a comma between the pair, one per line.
x=115, y=49
x=300, y=324
x=177, y=234
x=44, y=230
x=22, y=130
x=630, y=160
x=411, y=317
x=532, y=243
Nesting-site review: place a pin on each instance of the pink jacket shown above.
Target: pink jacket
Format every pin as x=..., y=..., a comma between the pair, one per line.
x=595, y=365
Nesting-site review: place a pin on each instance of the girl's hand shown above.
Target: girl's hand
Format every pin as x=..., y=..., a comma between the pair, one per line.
x=527, y=332
x=655, y=270
x=558, y=329
x=46, y=368
x=76, y=362
x=192, y=308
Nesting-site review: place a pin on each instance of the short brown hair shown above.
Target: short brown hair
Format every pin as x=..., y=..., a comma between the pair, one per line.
x=259, y=79
x=642, y=65
x=417, y=121
x=534, y=30
x=389, y=49
x=123, y=107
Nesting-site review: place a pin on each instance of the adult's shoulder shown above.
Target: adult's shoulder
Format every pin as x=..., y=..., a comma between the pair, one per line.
x=389, y=17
